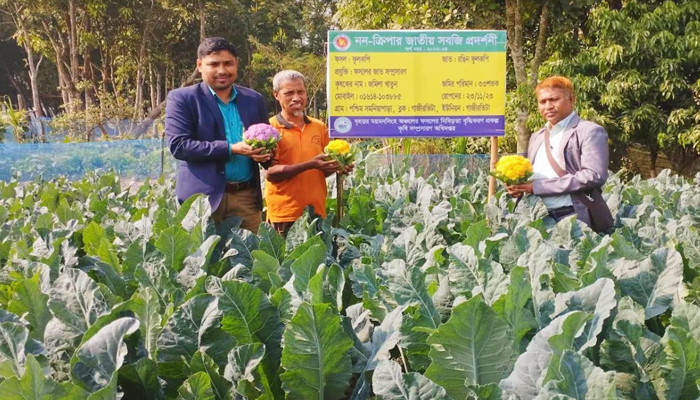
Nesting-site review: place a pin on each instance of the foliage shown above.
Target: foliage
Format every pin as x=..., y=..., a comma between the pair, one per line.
x=635, y=72
x=425, y=290
x=12, y=120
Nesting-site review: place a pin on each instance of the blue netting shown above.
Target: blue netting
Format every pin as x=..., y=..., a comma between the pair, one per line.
x=138, y=159
x=149, y=158
x=423, y=164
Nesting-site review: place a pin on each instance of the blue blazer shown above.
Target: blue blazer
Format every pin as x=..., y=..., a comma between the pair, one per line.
x=195, y=130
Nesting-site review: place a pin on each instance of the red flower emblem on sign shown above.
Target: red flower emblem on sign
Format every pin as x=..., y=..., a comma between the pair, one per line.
x=342, y=42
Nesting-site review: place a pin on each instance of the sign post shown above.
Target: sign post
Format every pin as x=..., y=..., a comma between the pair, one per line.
x=417, y=83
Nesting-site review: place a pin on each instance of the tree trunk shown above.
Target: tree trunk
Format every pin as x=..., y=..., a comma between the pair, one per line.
x=104, y=56
x=202, y=19
x=514, y=28
x=64, y=79
x=152, y=86
x=516, y=45
x=155, y=113
x=138, y=103
x=159, y=89
x=73, y=44
x=31, y=62
x=653, y=156
x=13, y=81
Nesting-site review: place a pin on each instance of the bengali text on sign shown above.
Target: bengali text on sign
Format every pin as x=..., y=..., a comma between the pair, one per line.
x=416, y=83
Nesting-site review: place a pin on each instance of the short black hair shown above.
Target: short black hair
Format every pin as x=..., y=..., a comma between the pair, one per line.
x=214, y=44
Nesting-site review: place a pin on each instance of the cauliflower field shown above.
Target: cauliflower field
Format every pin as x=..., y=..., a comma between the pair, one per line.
x=424, y=291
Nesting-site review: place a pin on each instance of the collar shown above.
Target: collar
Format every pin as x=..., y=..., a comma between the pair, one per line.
x=287, y=124
x=561, y=125
x=234, y=94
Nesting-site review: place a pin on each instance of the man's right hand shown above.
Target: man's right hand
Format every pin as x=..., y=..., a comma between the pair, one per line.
x=327, y=167
x=243, y=149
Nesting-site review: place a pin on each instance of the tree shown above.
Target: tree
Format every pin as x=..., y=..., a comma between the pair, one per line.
x=18, y=13
x=637, y=73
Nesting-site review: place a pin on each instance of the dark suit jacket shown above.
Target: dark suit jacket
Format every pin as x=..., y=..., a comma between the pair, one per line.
x=584, y=147
x=196, y=136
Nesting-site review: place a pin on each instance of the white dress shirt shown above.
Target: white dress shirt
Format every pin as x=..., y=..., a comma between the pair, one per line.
x=543, y=170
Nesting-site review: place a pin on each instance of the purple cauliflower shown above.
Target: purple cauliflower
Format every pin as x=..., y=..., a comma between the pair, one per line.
x=262, y=135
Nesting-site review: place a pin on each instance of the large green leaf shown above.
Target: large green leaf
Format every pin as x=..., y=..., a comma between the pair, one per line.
x=407, y=284
x=105, y=274
x=327, y=287
x=264, y=265
x=653, y=282
x=597, y=299
x=680, y=368
x=103, y=354
x=271, y=242
x=35, y=385
x=194, y=326
x=384, y=338
x=242, y=362
x=581, y=380
x=175, y=244
x=249, y=316
x=221, y=387
x=76, y=300
x=632, y=351
x=92, y=237
x=315, y=355
x=197, y=263
x=148, y=311
x=687, y=316
x=13, y=339
x=539, y=261
x=140, y=380
x=306, y=265
x=196, y=387
x=527, y=379
x=197, y=220
x=472, y=348
x=32, y=303
x=243, y=242
x=108, y=392
x=155, y=274
x=469, y=275
x=389, y=383
x=513, y=307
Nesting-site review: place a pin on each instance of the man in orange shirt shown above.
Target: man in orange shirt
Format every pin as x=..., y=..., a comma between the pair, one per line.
x=297, y=176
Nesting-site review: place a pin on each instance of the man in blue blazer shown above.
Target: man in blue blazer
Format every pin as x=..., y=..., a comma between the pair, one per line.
x=204, y=124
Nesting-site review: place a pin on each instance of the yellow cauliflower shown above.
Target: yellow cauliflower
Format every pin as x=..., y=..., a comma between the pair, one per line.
x=338, y=146
x=513, y=170
x=341, y=151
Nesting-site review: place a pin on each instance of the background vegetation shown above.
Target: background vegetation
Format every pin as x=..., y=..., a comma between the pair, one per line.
x=636, y=64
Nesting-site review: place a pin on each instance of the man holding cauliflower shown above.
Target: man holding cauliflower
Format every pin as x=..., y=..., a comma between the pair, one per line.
x=204, y=124
x=569, y=158
x=297, y=176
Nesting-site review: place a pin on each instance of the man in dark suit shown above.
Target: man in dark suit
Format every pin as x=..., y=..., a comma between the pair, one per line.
x=204, y=124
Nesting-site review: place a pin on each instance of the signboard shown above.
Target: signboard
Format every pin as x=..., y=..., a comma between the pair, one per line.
x=416, y=83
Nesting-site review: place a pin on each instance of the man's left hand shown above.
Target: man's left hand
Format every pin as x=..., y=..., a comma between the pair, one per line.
x=518, y=190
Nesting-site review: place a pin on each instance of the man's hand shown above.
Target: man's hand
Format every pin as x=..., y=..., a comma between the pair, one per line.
x=243, y=149
x=327, y=167
x=347, y=170
x=518, y=190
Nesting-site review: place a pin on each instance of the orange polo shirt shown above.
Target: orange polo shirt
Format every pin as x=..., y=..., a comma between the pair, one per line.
x=286, y=200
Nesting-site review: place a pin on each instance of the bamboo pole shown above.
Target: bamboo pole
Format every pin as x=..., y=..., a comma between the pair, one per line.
x=494, y=159
x=339, y=199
